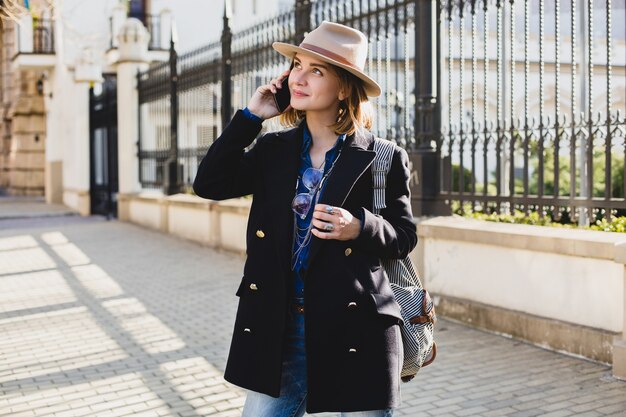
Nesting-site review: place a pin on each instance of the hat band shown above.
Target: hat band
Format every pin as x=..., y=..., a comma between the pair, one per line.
x=329, y=54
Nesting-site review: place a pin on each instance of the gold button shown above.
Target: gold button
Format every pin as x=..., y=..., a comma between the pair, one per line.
x=352, y=350
x=253, y=287
x=260, y=234
x=246, y=330
x=348, y=251
x=352, y=304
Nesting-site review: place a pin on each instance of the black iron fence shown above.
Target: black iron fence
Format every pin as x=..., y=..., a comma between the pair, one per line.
x=215, y=80
x=488, y=97
x=179, y=117
x=531, y=119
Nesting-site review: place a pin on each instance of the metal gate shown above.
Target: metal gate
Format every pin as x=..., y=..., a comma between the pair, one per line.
x=103, y=147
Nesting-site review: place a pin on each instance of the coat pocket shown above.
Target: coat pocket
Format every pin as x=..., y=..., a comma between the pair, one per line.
x=386, y=305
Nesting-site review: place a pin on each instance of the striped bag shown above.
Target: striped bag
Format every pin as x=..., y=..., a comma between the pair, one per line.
x=417, y=308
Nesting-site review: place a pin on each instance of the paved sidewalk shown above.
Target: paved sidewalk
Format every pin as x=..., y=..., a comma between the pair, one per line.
x=31, y=207
x=22, y=212
x=109, y=319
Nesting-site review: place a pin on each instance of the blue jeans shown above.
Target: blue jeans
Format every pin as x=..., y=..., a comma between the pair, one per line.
x=293, y=390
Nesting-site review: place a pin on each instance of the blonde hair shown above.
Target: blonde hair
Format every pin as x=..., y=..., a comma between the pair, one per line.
x=354, y=111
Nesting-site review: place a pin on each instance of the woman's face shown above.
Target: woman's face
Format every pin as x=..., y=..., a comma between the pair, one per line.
x=314, y=86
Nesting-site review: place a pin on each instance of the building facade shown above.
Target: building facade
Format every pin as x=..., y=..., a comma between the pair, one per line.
x=52, y=53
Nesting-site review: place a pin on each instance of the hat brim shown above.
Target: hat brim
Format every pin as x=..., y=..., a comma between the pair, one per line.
x=372, y=89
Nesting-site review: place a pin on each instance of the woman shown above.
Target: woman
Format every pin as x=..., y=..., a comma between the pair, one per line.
x=317, y=327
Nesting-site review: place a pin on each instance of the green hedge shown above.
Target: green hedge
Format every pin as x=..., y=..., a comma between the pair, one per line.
x=617, y=224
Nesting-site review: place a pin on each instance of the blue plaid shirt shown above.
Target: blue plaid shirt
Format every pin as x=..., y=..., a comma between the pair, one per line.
x=301, y=262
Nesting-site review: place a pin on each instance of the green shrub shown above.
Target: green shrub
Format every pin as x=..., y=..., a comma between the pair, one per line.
x=617, y=224
x=518, y=217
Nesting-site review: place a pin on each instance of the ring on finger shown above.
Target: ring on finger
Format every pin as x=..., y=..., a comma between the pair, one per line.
x=330, y=209
x=329, y=227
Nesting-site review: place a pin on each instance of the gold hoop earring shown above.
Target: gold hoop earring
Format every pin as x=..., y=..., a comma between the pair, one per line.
x=343, y=109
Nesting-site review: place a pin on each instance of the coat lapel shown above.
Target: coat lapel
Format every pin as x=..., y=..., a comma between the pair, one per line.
x=355, y=159
x=283, y=163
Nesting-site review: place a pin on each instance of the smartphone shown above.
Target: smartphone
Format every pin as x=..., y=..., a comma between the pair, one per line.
x=282, y=98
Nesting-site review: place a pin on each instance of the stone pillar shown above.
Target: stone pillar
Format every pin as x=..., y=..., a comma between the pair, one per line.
x=619, y=345
x=53, y=174
x=26, y=159
x=77, y=173
x=56, y=80
x=133, y=41
x=427, y=124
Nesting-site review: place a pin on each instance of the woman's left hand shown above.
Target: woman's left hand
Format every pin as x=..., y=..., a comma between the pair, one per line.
x=334, y=223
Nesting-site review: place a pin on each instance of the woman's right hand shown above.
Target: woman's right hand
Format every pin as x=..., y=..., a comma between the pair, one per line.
x=262, y=101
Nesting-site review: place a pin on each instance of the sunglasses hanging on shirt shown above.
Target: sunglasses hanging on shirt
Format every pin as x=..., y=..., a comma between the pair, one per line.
x=312, y=178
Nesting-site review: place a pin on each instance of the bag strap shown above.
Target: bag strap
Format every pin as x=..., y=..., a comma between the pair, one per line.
x=380, y=168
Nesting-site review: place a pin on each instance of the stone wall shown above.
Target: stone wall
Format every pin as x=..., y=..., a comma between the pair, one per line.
x=26, y=160
x=563, y=289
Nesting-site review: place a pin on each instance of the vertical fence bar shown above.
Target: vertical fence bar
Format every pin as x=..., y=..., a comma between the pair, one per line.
x=227, y=67
x=396, y=55
x=572, y=162
x=439, y=92
x=474, y=70
x=542, y=131
x=387, y=91
x=451, y=130
x=486, y=132
x=303, y=19
x=526, y=103
x=582, y=125
x=425, y=158
x=500, y=169
x=172, y=183
x=379, y=53
x=139, y=127
x=461, y=177
x=407, y=118
x=261, y=53
x=249, y=74
x=590, y=122
x=514, y=126
x=608, y=190
x=557, y=107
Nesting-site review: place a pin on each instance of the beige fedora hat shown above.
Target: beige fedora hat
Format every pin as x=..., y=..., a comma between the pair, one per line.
x=337, y=44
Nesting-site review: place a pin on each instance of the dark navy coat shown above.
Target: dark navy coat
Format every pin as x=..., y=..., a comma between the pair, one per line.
x=354, y=353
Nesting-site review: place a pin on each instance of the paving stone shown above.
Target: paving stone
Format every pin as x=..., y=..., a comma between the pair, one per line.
x=526, y=413
x=558, y=406
x=558, y=413
x=590, y=414
x=505, y=411
x=615, y=408
x=471, y=411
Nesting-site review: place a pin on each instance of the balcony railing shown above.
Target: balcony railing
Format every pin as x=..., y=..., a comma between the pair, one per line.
x=43, y=36
x=35, y=36
x=158, y=25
